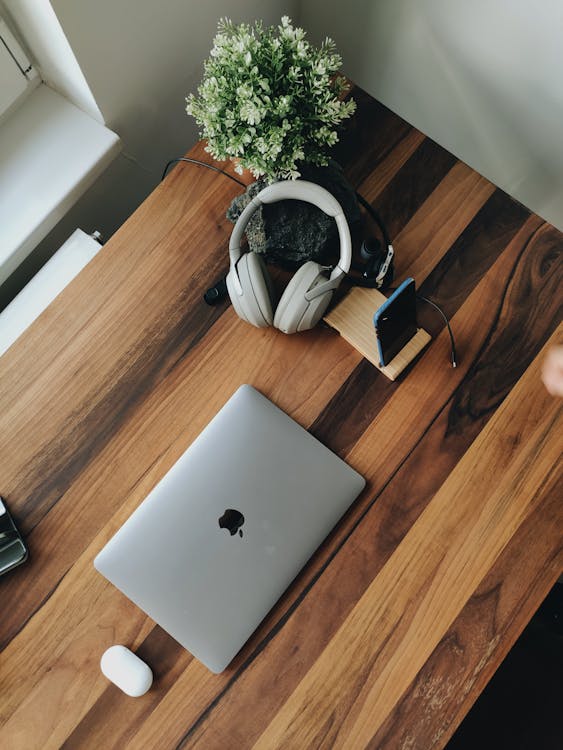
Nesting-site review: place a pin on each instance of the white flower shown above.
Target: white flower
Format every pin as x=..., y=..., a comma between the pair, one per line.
x=250, y=113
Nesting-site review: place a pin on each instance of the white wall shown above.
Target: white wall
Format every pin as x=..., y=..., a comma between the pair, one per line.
x=484, y=79
x=140, y=59
x=51, y=51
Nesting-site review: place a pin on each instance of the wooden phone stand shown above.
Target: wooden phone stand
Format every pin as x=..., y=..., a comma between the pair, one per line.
x=353, y=319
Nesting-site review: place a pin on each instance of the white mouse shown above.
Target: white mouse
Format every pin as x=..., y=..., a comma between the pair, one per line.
x=126, y=670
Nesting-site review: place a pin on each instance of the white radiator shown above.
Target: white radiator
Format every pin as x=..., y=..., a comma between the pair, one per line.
x=47, y=283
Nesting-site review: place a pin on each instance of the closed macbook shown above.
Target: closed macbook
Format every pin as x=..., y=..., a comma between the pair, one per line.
x=222, y=535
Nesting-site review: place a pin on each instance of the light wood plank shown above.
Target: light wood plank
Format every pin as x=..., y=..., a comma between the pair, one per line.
x=378, y=180
x=180, y=395
x=408, y=607
x=353, y=319
x=440, y=221
x=468, y=655
x=305, y=635
x=107, y=389
x=158, y=434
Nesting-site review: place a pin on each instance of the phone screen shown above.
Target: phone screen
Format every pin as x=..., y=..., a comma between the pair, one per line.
x=395, y=322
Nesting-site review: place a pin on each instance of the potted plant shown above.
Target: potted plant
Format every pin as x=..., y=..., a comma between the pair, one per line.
x=273, y=102
x=270, y=99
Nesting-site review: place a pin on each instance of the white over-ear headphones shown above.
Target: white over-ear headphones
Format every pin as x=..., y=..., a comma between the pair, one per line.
x=309, y=291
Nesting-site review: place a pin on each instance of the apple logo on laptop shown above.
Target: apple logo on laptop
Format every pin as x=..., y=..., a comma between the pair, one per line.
x=232, y=520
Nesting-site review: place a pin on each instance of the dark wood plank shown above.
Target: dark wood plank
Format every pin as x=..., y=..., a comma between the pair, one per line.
x=98, y=403
x=385, y=523
x=137, y=357
x=45, y=469
x=360, y=399
x=358, y=151
x=412, y=185
x=169, y=660
x=473, y=253
x=429, y=577
x=269, y=635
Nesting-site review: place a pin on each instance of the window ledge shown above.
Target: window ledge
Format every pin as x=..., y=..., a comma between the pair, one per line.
x=50, y=154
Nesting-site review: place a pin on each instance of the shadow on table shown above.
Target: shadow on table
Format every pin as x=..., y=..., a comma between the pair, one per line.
x=521, y=707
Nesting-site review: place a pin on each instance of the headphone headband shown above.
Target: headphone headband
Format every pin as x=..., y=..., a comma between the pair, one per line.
x=303, y=191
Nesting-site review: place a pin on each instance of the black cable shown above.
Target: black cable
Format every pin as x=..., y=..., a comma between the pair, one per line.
x=376, y=217
x=217, y=292
x=435, y=306
x=378, y=220
x=201, y=164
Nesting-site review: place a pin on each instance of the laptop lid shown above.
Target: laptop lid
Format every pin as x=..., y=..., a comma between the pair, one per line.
x=222, y=535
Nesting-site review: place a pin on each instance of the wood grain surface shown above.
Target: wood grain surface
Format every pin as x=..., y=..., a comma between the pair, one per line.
x=391, y=631
x=352, y=317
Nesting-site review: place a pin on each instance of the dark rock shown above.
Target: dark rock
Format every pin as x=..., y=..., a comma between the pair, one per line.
x=290, y=232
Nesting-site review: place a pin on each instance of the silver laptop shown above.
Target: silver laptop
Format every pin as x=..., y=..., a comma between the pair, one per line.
x=219, y=539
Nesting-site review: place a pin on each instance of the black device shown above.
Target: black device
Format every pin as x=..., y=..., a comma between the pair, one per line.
x=378, y=269
x=396, y=322
x=216, y=293
x=12, y=548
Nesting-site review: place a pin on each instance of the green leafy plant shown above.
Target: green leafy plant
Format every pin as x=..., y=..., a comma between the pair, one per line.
x=269, y=99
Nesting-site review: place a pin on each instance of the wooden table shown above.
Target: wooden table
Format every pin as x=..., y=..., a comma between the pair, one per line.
x=394, y=627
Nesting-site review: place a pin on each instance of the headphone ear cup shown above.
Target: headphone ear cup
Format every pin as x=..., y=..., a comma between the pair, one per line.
x=294, y=312
x=262, y=286
x=255, y=304
x=234, y=296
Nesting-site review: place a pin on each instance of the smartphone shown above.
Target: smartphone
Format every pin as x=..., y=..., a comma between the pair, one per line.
x=395, y=322
x=12, y=548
